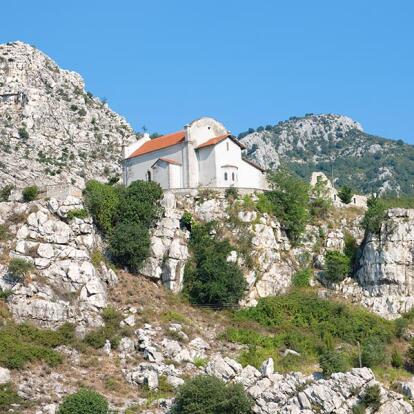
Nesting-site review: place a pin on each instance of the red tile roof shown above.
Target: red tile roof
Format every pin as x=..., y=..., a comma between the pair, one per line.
x=159, y=143
x=168, y=160
x=216, y=140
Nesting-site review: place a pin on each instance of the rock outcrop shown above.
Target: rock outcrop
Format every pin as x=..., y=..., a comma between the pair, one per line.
x=385, y=278
x=64, y=285
x=51, y=129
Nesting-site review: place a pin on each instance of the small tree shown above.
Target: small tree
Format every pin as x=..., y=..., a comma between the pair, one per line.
x=320, y=201
x=129, y=244
x=18, y=269
x=30, y=193
x=337, y=266
x=102, y=201
x=332, y=361
x=84, y=402
x=345, y=194
x=289, y=198
x=373, y=353
x=209, y=278
x=209, y=395
x=374, y=216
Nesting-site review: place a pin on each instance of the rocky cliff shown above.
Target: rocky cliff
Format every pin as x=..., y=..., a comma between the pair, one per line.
x=51, y=129
x=338, y=146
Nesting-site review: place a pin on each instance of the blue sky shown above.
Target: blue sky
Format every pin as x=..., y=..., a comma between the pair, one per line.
x=162, y=63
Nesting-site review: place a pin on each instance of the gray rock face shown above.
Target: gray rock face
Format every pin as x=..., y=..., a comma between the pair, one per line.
x=386, y=273
x=65, y=286
x=58, y=132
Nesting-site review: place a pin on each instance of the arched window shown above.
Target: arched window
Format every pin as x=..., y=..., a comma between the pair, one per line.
x=225, y=176
x=228, y=146
x=148, y=175
x=354, y=200
x=232, y=176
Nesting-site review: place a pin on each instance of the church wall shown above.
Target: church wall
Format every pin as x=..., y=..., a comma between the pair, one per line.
x=207, y=166
x=136, y=168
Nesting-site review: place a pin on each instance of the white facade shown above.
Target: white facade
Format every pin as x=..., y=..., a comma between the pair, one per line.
x=204, y=154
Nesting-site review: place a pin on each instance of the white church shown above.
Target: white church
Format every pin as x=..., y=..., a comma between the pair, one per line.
x=203, y=154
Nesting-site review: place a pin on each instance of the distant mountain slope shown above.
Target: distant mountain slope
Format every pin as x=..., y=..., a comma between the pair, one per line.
x=51, y=129
x=338, y=146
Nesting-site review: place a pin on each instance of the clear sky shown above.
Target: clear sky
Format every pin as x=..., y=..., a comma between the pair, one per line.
x=162, y=63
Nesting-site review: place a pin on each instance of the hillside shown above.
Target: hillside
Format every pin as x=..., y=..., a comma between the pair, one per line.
x=51, y=129
x=334, y=144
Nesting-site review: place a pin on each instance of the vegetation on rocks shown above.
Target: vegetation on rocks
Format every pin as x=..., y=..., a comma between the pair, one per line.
x=337, y=266
x=30, y=193
x=125, y=215
x=209, y=395
x=18, y=269
x=374, y=216
x=84, y=402
x=209, y=277
x=288, y=200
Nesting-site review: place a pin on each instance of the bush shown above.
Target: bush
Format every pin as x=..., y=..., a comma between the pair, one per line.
x=374, y=216
x=306, y=311
x=231, y=193
x=289, y=199
x=350, y=248
x=4, y=233
x=397, y=359
x=102, y=201
x=337, y=266
x=5, y=192
x=345, y=194
x=80, y=213
x=302, y=278
x=23, y=134
x=30, y=193
x=372, y=397
x=140, y=203
x=332, y=361
x=187, y=220
x=209, y=395
x=410, y=355
x=209, y=278
x=8, y=398
x=129, y=245
x=84, y=402
x=320, y=201
x=21, y=344
x=373, y=353
x=18, y=269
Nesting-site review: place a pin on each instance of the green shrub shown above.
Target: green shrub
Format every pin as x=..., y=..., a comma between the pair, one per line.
x=23, y=134
x=111, y=331
x=84, y=402
x=8, y=398
x=18, y=269
x=102, y=201
x=302, y=278
x=5, y=192
x=209, y=278
x=374, y=216
x=337, y=266
x=309, y=313
x=129, y=245
x=345, y=194
x=187, y=220
x=397, y=360
x=209, y=395
x=332, y=361
x=373, y=353
x=289, y=199
x=372, y=397
x=410, y=355
x=140, y=203
x=231, y=193
x=320, y=201
x=21, y=344
x=358, y=408
x=30, y=193
x=80, y=213
x=350, y=248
